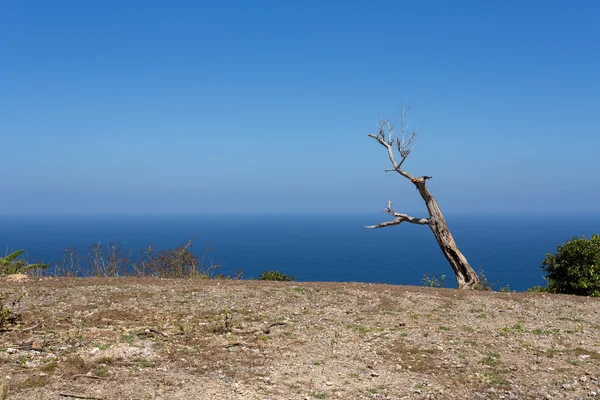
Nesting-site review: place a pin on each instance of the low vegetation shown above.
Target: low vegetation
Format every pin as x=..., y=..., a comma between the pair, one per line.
x=13, y=263
x=111, y=260
x=575, y=267
x=275, y=276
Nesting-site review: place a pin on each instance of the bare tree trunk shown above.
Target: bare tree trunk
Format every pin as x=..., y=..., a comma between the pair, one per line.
x=465, y=275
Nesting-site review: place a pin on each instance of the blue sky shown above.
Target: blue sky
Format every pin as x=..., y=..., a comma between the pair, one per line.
x=189, y=106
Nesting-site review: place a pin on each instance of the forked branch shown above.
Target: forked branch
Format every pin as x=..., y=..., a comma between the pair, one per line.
x=403, y=144
x=399, y=219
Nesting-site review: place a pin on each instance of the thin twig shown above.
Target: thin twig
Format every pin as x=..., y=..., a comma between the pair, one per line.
x=89, y=376
x=37, y=325
x=78, y=396
x=266, y=330
x=376, y=337
x=234, y=344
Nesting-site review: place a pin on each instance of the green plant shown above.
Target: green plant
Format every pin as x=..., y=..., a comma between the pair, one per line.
x=491, y=359
x=575, y=267
x=433, y=281
x=129, y=339
x=518, y=327
x=11, y=264
x=361, y=329
x=538, y=289
x=544, y=331
x=275, y=276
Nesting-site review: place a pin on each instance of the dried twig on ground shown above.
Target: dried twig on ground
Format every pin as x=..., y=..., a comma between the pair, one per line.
x=266, y=329
x=79, y=396
x=89, y=376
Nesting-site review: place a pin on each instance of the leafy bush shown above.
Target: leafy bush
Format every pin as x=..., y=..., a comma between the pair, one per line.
x=575, y=268
x=11, y=264
x=275, y=276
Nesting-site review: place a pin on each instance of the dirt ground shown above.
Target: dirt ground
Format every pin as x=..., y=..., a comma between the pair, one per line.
x=146, y=338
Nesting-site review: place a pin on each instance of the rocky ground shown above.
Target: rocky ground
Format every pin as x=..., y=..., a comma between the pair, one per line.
x=138, y=338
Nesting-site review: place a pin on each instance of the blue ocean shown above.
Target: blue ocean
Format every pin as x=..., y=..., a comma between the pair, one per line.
x=316, y=247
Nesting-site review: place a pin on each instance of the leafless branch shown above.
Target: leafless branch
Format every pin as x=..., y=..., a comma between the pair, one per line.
x=89, y=376
x=37, y=325
x=403, y=144
x=79, y=396
x=266, y=329
x=399, y=219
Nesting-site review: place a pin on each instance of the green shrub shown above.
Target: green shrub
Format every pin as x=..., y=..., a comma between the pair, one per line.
x=275, y=276
x=575, y=268
x=11, y=264
x=538, y=289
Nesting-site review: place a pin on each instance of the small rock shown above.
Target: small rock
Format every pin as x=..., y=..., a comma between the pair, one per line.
x=374, y=374
x=328, y=383
x=592, y=394
x=10, y=350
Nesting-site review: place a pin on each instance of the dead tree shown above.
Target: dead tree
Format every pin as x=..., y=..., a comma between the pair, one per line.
x=402, y=144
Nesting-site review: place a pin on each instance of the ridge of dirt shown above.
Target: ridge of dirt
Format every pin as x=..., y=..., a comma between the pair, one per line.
x=143, y=338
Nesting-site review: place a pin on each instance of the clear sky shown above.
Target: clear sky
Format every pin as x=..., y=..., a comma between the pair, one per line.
x=191, y=106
